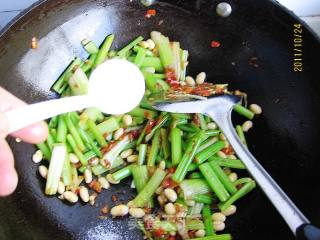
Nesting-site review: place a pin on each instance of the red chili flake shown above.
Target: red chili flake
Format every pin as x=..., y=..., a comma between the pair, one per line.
x=76, y=191
x=105, y=209
x=171, y=77
x=148, y=224
x=168, y=182
x=158, y=232
x=196, y=119
x=172, y=170
x=219, y=91
x=114, y=198
x=96, y=186
x=228, y=150
x=215, y=44
x=134, y=134
x=147, y=210
x=192, y=234
x=77, y=165
x=108, y=147
x=151, y=13
x=150, y=125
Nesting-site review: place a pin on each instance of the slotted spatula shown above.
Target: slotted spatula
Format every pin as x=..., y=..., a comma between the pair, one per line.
x=219, y=108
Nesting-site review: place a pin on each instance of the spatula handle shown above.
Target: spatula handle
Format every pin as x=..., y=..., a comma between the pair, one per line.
x=27, y=115
x=288, y=210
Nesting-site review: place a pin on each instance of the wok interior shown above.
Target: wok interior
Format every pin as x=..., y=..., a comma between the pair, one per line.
x=283, y=138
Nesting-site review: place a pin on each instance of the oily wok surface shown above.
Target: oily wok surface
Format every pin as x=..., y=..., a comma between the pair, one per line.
x=284, y=138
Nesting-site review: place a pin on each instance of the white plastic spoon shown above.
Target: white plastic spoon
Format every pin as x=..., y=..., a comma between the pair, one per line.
x=115, y=87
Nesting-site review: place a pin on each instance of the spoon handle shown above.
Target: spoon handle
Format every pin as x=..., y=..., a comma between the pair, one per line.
x=25, y=116
x=290, y=213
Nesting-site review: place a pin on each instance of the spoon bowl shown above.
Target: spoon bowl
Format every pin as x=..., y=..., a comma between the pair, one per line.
x=115, y=87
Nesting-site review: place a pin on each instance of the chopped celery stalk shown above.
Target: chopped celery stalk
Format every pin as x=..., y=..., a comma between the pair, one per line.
x=160, y=122
x=165, y=143
x=206, y=216
x=90, y=154
x=207, y=144
x=196, y=209
x=194, y=224
x=76, y=150
x=184, y=60
x=59, y=155
x=214, y=182
x=60, y=85
x=163, y=46
x=149, y=189
x=209, y=151
x=62, y=130
x=93, y=113
x=79, y=82
x=192, y=187
x=135, y=42
x=245, y=189
x=111, y=155
x=151, y=82
x=90, y=46
x=187, y=157
x=104, y=50
x=227, y=162
x=142, y=154
x=99, y=169
x=176, y=64
x=149, y=53
x=154, y=62
x=50, y=141
x=74, y=132
x=163, y=84
x=223, y=177
x=243, y=111
x=140, y=57
x=140, y=176
x=110, y=125
x=96, y=133
x=176, y=149
x=155, y=147
x=141, y=112
x=45, y=150
x=87, y=65
x=122, y=173
x=165, y=226
x=66, y=173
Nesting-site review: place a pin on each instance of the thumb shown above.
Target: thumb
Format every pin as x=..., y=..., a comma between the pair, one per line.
x=4, y=125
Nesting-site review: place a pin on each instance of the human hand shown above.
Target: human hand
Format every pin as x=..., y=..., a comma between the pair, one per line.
x=33, y=134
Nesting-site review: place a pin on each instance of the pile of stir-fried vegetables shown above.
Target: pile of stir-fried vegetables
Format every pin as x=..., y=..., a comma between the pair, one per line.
x=182, y=166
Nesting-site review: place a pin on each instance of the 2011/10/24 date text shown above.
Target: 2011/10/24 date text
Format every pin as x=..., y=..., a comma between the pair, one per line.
x=297, y=48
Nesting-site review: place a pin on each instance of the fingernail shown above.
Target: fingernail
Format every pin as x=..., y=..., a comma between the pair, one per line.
x=4, y=125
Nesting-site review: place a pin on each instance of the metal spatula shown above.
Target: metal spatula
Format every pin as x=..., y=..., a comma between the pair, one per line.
x=219, y=108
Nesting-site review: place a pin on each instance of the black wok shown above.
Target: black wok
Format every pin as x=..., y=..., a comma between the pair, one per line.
x=285, y=138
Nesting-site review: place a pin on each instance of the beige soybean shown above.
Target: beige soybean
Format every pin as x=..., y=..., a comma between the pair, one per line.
x=218, y=226
x=190, y=81
x=37, y=156
x=247, y=125
x=87, y=175
x=70, y=197
x=117, y=134
x=255, y=108
x=171, y=194
x=43, y=171
x=84, y=194
x=126, y=153
x=170, y=209
x=137, y=212
x=201, y=77
x=218, y=217
x=119, y=211
x=230, y=210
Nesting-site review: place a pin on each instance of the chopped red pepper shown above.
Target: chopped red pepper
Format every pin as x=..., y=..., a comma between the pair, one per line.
x=168, y=182
x=171, y=238
x=172, y=170
x=96, y=186
x=150, y=125
x=151, y=13
x=171, y=77
x=158, y=232
x=228, y=150
x=215, y=44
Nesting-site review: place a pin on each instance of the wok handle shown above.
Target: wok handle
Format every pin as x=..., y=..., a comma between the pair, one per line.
x=308, y=232
x=25, y=116
x=287, y=209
